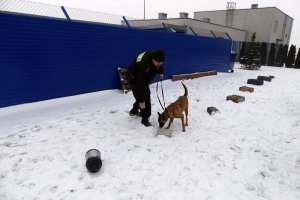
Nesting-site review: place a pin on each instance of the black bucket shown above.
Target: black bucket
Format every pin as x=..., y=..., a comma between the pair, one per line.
x=93, y=160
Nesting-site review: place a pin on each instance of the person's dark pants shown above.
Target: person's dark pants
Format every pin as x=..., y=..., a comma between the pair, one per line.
x=146, y=112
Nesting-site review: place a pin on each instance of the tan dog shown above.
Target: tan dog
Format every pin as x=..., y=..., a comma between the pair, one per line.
x=175, y=110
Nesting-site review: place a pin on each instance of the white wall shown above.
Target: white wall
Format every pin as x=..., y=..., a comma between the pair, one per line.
x=261, y=21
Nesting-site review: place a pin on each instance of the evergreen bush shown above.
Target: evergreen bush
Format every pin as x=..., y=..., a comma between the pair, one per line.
x=297, y=62
x=271, y=57
x=279, y=56
x=263, y=53
x=291, y=57
x=282, y=60
x=242, y=51
x=251, y=60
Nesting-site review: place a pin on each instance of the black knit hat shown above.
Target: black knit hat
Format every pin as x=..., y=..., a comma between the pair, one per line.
x=158, y=55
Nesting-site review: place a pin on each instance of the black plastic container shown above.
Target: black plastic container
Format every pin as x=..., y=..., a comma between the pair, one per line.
x=255, y=82
x=93, y=160
x=264, y=78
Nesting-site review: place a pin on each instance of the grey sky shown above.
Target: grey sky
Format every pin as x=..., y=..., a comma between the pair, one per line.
x=135, y=8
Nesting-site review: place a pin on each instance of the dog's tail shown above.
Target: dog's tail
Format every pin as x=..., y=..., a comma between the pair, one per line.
x=185, y=90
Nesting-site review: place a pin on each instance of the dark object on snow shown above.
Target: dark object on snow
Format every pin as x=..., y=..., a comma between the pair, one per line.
x=246, y=89
x=93, y=160
x=124, y=76
x=232, y=60
x=255, y=82
x=212, y=110
x=272, y=77
x=235, y=98
x=264, y=78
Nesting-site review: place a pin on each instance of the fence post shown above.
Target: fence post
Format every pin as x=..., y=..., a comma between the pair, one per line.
x=127, y=23
x=193, y=31
x=228, y=36
x=66, y=14
x=213, y=33
x=165, y=27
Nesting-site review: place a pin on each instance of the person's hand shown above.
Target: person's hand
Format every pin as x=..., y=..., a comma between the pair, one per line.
x=142, y=105
x=161, y=77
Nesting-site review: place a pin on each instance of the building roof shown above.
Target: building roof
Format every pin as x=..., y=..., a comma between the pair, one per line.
x=189, y=19
x=169, y=27
x=248, y=9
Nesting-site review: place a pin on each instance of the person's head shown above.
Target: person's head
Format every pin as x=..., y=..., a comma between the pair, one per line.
x=158, y=58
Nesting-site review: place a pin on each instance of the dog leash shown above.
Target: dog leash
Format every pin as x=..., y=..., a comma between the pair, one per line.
x=162, y=92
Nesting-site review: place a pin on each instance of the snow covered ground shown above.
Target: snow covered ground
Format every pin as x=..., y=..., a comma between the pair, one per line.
x=247, y=151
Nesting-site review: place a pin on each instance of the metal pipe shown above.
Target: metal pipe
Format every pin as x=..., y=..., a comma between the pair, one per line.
x=144, y=9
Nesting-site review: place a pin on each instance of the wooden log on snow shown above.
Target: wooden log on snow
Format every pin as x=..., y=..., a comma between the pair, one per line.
x=246, y=89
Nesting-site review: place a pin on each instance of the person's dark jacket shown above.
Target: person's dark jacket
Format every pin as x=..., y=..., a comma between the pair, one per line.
x=141, y=73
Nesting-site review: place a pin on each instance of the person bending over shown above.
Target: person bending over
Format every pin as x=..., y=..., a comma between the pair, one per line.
x=140, y=74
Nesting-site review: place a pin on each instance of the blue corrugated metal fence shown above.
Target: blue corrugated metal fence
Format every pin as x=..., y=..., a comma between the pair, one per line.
x=43, y=58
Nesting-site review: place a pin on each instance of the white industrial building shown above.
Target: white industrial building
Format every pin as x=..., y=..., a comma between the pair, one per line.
x=270, y=24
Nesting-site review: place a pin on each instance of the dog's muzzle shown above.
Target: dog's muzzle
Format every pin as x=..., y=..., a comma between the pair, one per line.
x=161, y=125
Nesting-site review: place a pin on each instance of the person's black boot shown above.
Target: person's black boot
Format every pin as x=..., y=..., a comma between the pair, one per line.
x=135, y=112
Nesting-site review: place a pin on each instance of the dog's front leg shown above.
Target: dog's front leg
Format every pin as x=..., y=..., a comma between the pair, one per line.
x=182, y=121
x=170, y=122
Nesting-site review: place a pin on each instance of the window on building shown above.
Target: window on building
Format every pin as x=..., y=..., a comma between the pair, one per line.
x=275, y=26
